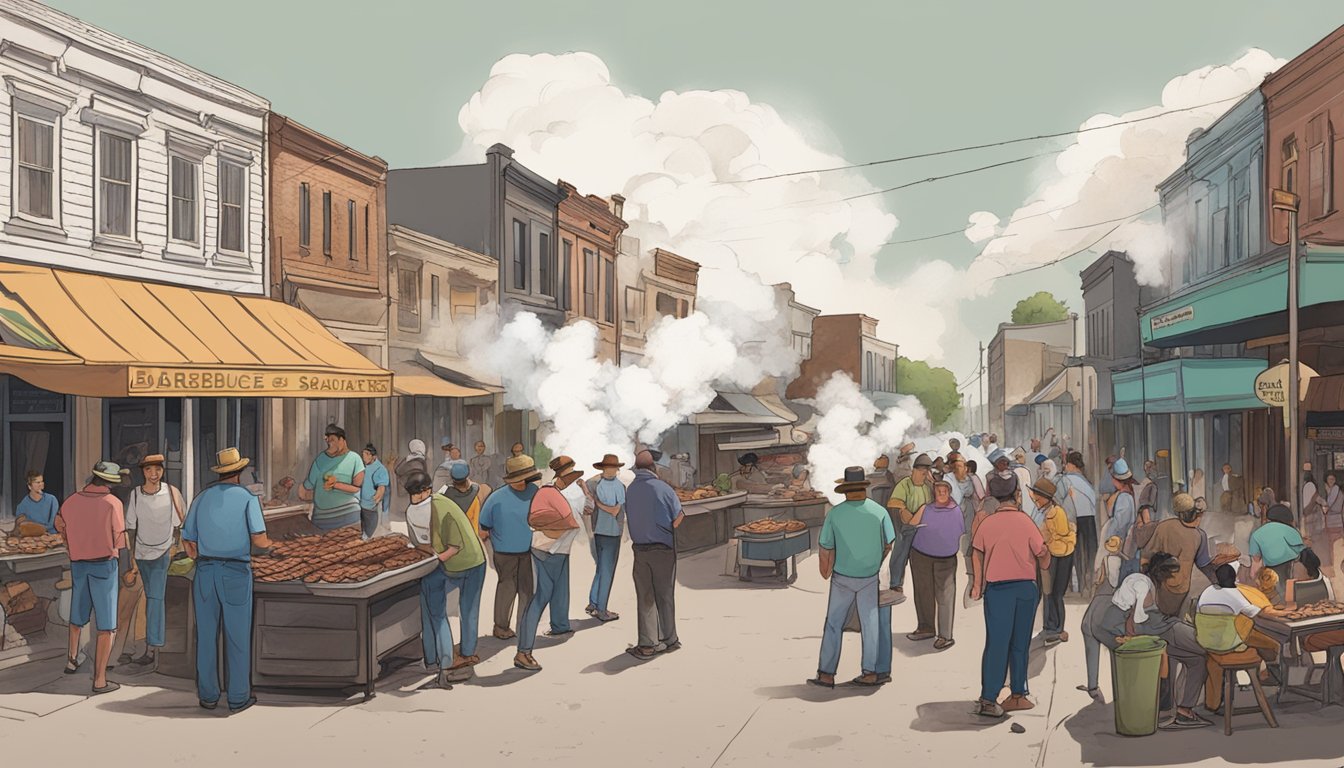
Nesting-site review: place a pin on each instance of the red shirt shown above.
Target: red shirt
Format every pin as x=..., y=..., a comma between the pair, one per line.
x=95, y=524
x=1011, y=543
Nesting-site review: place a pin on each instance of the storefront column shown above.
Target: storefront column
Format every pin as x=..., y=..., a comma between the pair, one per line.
x=189, y=448
x=88, y=431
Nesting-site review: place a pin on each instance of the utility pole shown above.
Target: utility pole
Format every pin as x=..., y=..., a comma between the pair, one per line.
x=1288, y=202
x=980, y=382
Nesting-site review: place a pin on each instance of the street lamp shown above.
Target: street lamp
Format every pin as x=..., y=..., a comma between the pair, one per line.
x=1286, y=203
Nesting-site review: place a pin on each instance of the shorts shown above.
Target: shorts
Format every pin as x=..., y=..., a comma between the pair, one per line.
x=93, y=589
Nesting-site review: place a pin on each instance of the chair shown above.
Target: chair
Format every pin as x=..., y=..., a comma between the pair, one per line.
x=1241, y=661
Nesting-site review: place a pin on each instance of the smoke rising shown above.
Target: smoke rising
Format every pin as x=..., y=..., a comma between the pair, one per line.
x=851, y=430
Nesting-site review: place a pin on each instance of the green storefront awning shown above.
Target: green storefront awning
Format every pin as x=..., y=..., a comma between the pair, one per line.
x=1250, y=304
x=1189, y=386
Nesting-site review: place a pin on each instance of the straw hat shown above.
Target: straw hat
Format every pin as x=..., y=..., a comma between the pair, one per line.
x=229, y=461
x=522, y=468
x=107, y=470
x=1113, y=544
x=609, y=460
x=563, y=467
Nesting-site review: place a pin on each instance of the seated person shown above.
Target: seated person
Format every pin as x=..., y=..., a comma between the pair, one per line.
x=1223, y=599
x=1267, y=581
x=1311, y=587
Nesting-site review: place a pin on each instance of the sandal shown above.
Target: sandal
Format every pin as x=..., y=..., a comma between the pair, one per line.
x=71, y=666
x=943, y=643
x=640, y=652
x=820, y=683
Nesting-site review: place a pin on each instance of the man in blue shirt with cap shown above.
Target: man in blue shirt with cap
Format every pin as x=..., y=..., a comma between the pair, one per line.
x=374, y=493
x=222, y=526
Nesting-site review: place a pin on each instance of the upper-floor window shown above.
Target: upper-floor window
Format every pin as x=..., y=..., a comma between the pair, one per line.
x=434, y=298
x=305, y=216
x=1289, y=176
x=1200, y=257
x=366, y=231
x=35, y=165
x=350, y=226
x=520, y=261
x=868, y=372
x=609, y=289
x=232, y=207
x=463, y=301
x=1320, y=158
x=116, y=161
x=326, y=223
x=185, y=192
x=546, y=264
x=1218, y=256
x=589, y=283
x=408, y=299
x=634, y=308
x=665, y=304
x=567, y=275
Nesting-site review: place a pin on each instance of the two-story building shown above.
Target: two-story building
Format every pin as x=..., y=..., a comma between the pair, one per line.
x=665, y=287
x=1111, y=295
x=1023, y=364
x=590, y=248
x=133, y=263
x=848, y=344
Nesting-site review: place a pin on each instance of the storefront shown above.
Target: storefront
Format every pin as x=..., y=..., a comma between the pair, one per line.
x=1324, y=408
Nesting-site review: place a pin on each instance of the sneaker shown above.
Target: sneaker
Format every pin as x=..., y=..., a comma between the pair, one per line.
x=107, y=687
x=208, y=705
x=1051, y=640
x=525, y=662
x=504, y=634
x=920, y=636
x=1182, y=722
x=245, y=705
x=1017, y=702
x=605, y=616
x=988, y=708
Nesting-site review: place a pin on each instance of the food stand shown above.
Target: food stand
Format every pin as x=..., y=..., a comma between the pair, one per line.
x=37, y=561
x=771, y=544
x=707, y=522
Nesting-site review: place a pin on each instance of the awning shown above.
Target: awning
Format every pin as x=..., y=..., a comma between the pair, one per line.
x=1056, y=390
x=1324, y=403
x=98, y=336
x=736, y=408
x=1198, y=385
x=411, y=378
x=450, y=370
x=779, y=437
x=1250, y=305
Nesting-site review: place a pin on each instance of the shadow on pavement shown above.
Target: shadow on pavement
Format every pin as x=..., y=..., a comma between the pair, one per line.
x=816, y=695
x=617, y=664
x=1304, y=733
x=944, y=716
x=177, y=705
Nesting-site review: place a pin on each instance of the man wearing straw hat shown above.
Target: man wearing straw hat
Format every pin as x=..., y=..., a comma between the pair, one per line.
x=608, y=493
x=504, y=522
x=555, y=522
x=222, y=526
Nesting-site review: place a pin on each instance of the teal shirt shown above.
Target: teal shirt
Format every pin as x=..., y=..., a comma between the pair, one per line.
x=1276, y=543
x=334, y=503
x=857, y=531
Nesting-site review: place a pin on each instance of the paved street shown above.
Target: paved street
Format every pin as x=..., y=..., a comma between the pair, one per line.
x=733, y=696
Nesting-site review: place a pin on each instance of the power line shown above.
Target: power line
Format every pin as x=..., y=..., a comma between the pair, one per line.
x=1089, y=247
x=984, y=146
x=966, y=172
x=1024, y=218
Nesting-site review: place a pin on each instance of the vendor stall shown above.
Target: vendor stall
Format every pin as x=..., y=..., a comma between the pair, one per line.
x=809, y=507
x=772, y=545
x=707, y=522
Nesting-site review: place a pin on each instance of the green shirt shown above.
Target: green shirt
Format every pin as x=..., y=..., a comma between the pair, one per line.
x=914, y=496
x=334, y=503
x=449, y=527
x=857, y=531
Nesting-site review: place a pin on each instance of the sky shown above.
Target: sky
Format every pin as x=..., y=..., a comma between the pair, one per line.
x=858, y=81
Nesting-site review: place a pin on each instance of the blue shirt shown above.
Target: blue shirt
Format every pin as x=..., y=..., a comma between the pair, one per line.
x=222, y=521
x=375, y=474
x=42, y=512
x=857, y=531
x=505, y=517
x=1082, y=502
x=1276, y=543
x=1123, y=515
x=650, y=507
x=612, y=493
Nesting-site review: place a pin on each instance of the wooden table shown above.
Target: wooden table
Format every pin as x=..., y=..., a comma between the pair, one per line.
x=1289, y=635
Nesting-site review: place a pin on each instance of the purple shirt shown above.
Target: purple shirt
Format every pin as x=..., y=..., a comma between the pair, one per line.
x=941, y=534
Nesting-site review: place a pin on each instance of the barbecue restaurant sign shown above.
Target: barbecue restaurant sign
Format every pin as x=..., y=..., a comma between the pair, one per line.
x=146, y=381
x=1271, y=386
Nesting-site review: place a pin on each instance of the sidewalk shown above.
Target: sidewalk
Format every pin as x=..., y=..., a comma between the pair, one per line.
x=734, y=696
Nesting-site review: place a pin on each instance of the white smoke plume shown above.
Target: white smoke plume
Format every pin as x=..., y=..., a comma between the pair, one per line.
x=852, y=431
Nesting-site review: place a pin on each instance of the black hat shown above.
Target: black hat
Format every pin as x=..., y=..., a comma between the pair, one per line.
x=748, y=458
x=332, y=429
x=1001, y=487
x=923, y=460
x=417, y=482
x=855, y=479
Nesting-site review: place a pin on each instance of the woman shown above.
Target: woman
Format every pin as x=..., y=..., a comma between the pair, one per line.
x=933, y=565
x=1107, y=579
x=1334, y=503
x=1313, y=519
x=1314, y=583
x=1061, y=537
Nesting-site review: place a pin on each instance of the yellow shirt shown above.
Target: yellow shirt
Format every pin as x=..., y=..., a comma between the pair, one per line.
x=1060, y=536
x=1255, y=597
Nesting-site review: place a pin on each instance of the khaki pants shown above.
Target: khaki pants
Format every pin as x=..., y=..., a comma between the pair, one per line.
x=935, y=583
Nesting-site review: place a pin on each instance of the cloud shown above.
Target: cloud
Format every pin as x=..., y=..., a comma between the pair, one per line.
x=981, y=226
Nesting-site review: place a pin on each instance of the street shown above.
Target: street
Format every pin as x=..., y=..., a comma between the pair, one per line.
x=734, y=695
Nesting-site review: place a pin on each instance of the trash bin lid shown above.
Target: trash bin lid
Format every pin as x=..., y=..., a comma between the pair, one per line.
x=1143, y=644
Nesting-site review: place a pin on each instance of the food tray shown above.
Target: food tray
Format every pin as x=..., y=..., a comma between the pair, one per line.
x=52, y=558
x=700, y=506
x=354, y=589
x=1336, y=618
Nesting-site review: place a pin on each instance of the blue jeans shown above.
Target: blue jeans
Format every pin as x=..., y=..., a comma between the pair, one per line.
x=154, y=575
x=94, y=591
x=552, y=588
x=607, y=549
x=883, y=640
x=1010, y=611
x=847, y=594
x=900, y=555
x=222, y=594
x=436, y=635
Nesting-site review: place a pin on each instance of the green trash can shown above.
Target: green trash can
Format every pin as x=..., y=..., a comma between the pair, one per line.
x=1136, y=668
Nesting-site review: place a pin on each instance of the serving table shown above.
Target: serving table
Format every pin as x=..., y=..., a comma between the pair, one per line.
x=772, y=550
x=1289, y=634
x=701, y=529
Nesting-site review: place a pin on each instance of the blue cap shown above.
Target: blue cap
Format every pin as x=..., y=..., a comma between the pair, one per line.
x=1040, y=459
x=975, y=441
x=998, y=454
x=1120, y=470
x=445, y=442
x=460, y=470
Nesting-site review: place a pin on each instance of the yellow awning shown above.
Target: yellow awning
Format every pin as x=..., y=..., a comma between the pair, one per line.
x=414, y=379
x=99, y=336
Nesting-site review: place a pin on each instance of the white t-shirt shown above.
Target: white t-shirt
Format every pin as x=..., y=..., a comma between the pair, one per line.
x=417, y=520
x=1133, y=594
x=154, y=520
x=1229, y=598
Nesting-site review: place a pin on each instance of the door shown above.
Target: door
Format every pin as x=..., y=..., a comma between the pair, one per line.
x=133, y=432
x=37, y=446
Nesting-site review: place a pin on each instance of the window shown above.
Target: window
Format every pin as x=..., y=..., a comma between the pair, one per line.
x=350, y=227
x=1218, y=257
x=434, y=298
x=305, y=217
x=1319, y=160
x=683, y=308
x=232, y=198
x=665, y=304
x=185, y=193
x=36, y=163
x=408, y=299
x=589, y=283
x=114, y=184
x=1290, y=164
x=326, y=223
x=462, y=303
x=634, y=308
x=1201, y=254
x=520, y=263
x=609, y=289
x=868, y=372
x=1243, y=238
x=566, y=276
x=366, y=231
x=545, y=263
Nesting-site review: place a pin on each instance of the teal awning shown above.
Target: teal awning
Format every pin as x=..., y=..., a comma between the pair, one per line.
x=1189, y=386
x=1251, y=304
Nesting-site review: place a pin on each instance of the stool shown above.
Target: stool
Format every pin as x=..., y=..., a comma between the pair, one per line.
x=1249, y=662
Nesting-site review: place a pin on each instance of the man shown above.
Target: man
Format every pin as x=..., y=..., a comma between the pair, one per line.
x=468, y=495
x=904, y=456
x=222, y=526
x=1060, y=538
x=93, y=524
x=1079, y=500
x=373, y=493
x=504, y=524
x=153, y=518
x=482, y=465
x=608, y=494
x=1146, y=491
x=555, y=524
x=933, y=565
x=455, y=543
x=1226, y=597
x=967, y=490
x=653, y=513
x=749, y=476
x=1035, y=452
x=1008, y=551
x=881, y=481
x=910, y=495
x=443, y=472
x=1181, y=538
x=37, y=506
x=333, y=483
x=1277, y=544
x=855, y=540
x=1228, y=487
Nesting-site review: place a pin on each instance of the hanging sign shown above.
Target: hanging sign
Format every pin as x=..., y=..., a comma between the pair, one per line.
x=1271, y=386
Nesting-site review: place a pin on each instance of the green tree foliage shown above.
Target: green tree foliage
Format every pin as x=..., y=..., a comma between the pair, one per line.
x=935, y=388
x=1041, y=307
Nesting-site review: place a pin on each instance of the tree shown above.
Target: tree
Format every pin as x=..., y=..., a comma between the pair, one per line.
x=935, y=388
x=1041, y=307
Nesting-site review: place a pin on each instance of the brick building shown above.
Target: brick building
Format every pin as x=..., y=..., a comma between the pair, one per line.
x=589, y=248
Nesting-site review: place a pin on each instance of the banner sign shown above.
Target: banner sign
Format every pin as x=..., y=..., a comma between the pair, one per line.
x=149, y=381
